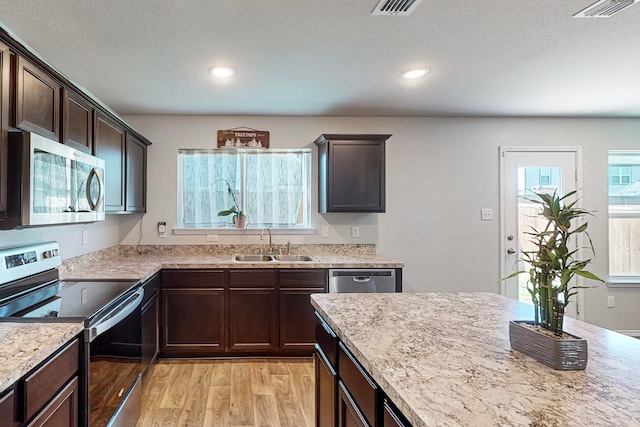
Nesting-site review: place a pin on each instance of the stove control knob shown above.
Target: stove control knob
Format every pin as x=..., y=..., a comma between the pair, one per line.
x=51, y=253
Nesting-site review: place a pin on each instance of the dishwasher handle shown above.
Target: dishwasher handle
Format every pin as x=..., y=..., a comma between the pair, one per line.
x=362, y=279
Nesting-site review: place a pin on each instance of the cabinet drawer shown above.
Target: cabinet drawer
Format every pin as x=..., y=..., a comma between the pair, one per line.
x=43, y=384
x=63, y=409
x=303, y=278
x=251, y=279
x=327, y=341
x=361, y=387
x=192, y=279
x=7, y=409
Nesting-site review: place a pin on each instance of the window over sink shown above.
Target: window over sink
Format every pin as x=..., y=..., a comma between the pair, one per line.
x=271, y=187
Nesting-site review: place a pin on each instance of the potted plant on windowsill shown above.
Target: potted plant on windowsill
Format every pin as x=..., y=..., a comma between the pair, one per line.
x=239, y=218
x=552, y=266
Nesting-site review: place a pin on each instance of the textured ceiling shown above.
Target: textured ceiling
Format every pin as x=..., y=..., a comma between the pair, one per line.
x=332, y=57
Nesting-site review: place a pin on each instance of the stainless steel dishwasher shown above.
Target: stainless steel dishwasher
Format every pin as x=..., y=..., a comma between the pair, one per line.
x=349, y=280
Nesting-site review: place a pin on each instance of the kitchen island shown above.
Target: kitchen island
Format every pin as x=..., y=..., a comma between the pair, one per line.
x=444, y=359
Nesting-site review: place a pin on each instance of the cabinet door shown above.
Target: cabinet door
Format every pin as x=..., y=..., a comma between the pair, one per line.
x=62, y=411
x=8, y=410
x=109, y=142
x=253, y=315
x=326, y=391
x=351, y=173
x=348, y=413
x=136, y=176
x=297, y=316
x=297, y=319
x=253, y=320
x=4, y=123
x=192, y=321
x=77, y=121
x=150, y=331
x=37, y=101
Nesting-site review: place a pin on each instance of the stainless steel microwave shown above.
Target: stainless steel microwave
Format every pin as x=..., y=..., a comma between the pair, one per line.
x=50, y=183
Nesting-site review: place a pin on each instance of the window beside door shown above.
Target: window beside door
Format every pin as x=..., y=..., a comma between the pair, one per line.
x=624, y=216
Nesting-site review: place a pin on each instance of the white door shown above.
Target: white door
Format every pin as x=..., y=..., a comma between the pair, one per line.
x=523, y=172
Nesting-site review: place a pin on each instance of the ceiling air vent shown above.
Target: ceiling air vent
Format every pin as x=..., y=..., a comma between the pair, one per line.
x=604, y=8
x=395, y=7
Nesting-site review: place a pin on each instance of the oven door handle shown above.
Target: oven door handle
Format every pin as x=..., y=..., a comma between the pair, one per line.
x=117, y=315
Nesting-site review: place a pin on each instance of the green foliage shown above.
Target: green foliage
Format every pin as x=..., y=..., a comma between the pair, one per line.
x=234, y=210
x=552, y=263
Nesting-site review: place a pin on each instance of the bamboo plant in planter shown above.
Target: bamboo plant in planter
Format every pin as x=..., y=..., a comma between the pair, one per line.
x=552, y=266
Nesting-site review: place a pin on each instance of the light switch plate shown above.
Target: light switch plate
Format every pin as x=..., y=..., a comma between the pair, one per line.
x=355, y=231
x=85, y=237
x=486, y=214
x=325, y=231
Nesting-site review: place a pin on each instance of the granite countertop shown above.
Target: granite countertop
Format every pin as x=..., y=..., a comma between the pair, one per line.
x=25, y=345
x=445, y=360
x=131, y=265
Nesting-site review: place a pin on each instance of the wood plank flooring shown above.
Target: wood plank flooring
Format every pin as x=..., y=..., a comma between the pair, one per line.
x=229, y=393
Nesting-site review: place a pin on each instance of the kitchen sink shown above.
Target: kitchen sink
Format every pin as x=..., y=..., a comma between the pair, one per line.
x=272, y=258
x=252, y=258
x=294, y=258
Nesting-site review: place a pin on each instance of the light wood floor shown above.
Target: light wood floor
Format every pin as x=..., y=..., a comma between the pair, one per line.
x=233, y=393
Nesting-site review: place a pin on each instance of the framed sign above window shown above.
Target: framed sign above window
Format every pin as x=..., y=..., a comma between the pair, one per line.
x=243, y=137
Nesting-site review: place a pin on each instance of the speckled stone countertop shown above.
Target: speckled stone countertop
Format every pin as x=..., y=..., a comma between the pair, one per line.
x=130, y=263
x=25, y=345
x=445, y=360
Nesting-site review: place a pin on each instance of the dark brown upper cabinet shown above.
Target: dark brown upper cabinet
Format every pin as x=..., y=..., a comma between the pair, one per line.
x=109, y=145
x=77, y=121
x=37, y=100
x=4, y=123
x=351, y=172
x=136, y=158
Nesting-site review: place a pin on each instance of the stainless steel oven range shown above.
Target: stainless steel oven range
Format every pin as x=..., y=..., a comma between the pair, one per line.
x=30, y=290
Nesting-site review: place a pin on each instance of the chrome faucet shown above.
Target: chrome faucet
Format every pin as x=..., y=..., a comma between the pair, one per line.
x=262, y=236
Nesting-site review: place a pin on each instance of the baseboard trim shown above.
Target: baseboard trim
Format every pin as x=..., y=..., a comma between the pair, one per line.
x=632, y=333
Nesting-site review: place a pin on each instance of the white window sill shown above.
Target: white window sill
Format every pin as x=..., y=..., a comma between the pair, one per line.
x=624, y=282
x=231, y=230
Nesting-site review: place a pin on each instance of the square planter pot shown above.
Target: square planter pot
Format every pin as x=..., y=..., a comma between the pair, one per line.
x=561, y=354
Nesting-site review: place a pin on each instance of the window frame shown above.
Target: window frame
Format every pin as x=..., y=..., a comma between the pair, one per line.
x=620, y=280
x=211, y=232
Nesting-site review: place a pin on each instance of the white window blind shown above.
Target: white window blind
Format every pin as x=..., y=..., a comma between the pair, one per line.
x=272, y=187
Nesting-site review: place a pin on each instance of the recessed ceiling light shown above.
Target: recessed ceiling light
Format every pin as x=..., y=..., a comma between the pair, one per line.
x=222, y=71
x=414, y=74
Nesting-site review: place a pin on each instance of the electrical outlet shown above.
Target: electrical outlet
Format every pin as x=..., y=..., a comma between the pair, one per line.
x=85, y=237
x=486, y=214
x=611, y=301
x=162, y=229
x=212, y=237
x=355, y=231
x=325, y=231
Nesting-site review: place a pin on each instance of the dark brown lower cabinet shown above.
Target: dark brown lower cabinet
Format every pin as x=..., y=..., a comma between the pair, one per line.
x=193, y=321
x=250, y=312
x=348, y=413
x=8, y=409
x=327, y=391
x=62, y=411
x=356, y=398
x=253, y=315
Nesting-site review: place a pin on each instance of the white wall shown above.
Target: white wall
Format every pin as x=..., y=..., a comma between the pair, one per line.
x=440, y=173
x=100, y=235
